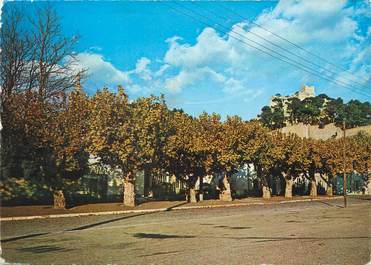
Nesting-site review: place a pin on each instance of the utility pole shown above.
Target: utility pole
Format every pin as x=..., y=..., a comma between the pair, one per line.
x=344, y=169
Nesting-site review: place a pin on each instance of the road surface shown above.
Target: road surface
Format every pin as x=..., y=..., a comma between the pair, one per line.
x=292, y=233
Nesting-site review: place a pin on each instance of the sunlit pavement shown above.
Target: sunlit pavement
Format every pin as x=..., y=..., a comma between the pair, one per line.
x=297, y=233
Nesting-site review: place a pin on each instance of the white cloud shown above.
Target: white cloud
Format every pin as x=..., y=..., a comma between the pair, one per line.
x=101, y=72
x=210, y=48
x=191, y=77
x=326, y=28
x=329, y=29
x=142, y=70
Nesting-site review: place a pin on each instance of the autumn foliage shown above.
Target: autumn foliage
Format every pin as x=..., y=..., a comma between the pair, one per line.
x=145, y=135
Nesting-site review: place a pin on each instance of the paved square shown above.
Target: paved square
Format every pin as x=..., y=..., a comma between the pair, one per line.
x=295, y=233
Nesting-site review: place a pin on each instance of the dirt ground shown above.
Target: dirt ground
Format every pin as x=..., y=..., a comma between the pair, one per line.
x=317, y=232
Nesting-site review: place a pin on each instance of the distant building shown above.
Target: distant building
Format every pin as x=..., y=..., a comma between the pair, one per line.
x=303, y=93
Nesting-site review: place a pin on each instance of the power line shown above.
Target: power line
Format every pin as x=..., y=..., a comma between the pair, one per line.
x=339, y=82
x=293, y=44
x=289, y=61
x=287, y=50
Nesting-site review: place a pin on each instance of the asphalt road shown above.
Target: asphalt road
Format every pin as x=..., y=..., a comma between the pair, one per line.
x=295, y=233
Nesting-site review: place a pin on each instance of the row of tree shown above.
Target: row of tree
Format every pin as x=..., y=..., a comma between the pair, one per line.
x=49, y=132
x=319, y=110
x=145, y=135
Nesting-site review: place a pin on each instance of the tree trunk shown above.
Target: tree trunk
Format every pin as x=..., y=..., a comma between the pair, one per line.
x=288, y=189
x=192, y=195
x=329, y=191
x=369, y=181
x=146, y=183
x=266, y=192
x=313, y=188
x=201, y=191
x=225, y=194
x=59, y=200
x=129, y=192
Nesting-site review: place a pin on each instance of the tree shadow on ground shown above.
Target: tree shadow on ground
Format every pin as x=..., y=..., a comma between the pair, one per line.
x=22, y=237
x=256, y=238
x=42, y=249
x=160, y=236
x=119, y=219
x=174, y=206
x=233, y=227
x=159, y=253
x=86, y=226
x=106, y=222
x=239, y=227
x=330, y=204
x=264, y=239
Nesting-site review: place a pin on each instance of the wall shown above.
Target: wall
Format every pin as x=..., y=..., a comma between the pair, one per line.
x=329, y=131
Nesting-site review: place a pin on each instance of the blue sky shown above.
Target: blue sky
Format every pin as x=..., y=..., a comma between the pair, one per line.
x=153, y=48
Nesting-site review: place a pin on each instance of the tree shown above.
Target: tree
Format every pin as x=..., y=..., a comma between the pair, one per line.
x=288, y=154
x=257, y=149
x=309, y=110
x=182, y=153
x=127, y=136
x=66, y=138
x=111, y=137
x=335, y=111
x=37, y=68
x=294, y=110
x=314, y=162
x=15, y=53
x=210, y=129
x=150, y=123
x=273, y=117
x=357, y=113
x=360, y=148
x=230, y=154
x=52, y=67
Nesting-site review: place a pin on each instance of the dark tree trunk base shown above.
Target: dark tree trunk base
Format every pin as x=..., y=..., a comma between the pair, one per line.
x=266, y=192
x=313, y=189
x=129, y=193
x=59, y=200
x=225, y=194
x=192, y=195
x=288, y=189
x=329, y=191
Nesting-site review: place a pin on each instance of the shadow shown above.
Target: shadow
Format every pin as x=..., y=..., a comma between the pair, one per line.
x=360, y=197
x=329, y=204
x=21, y=237
x=159, y=236
x=266, y=239
x=172, y=207
x=293, y=221
x=42, y=249
x=239, y=227
x=159, y=253
x=256, y=238
x=106, y=222
x=74, y=229
x=86, y=226
x=336, y=217
x=119, y=219
x=120, y=245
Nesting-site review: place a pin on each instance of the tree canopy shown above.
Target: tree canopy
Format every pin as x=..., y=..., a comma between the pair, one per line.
x=319, y=110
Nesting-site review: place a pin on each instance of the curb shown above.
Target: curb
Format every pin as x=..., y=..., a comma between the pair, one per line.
x=19, y=218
